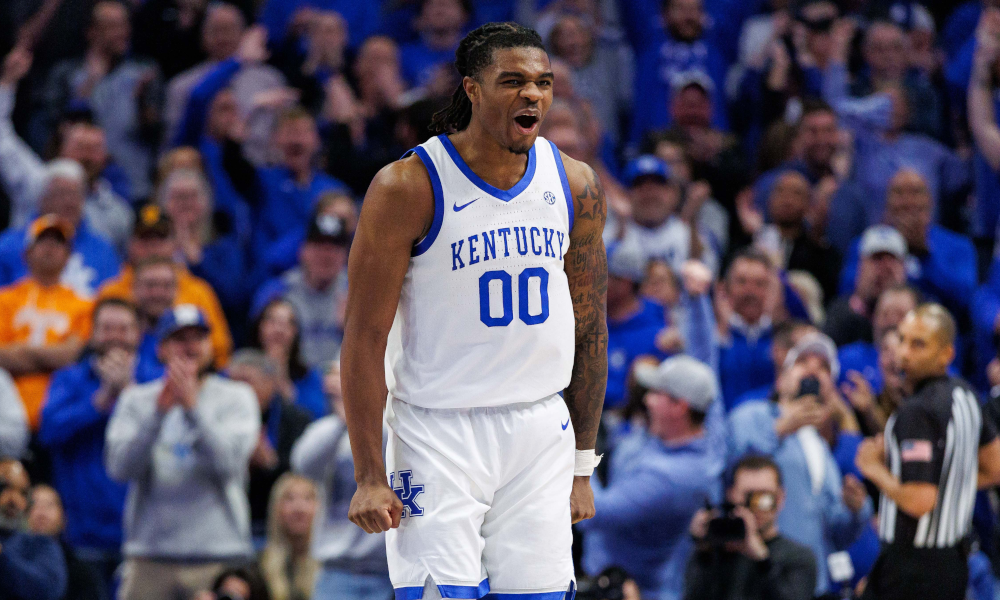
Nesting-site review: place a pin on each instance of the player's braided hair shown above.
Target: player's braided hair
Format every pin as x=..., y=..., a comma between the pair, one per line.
x=475, y=53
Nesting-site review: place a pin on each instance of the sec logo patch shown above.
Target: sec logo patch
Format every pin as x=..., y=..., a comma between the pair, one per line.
x=549, y=197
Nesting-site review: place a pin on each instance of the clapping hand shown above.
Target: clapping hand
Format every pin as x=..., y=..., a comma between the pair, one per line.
x=115, y=369
x=182, y=379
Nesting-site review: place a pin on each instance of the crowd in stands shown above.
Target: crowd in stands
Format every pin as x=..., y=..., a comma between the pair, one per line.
x=180, y=181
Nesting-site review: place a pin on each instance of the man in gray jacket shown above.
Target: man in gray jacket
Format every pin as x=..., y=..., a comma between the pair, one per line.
x=183, y=443
x=354, y=563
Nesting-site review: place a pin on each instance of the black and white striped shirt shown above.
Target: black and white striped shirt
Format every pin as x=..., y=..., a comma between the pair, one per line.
x=934, y=437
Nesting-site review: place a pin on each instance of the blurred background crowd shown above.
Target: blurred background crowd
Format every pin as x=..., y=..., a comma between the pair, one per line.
x=179, y=185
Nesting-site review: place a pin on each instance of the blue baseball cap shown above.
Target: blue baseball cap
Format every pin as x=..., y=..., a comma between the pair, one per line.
x=181, y=317
x=646, y=165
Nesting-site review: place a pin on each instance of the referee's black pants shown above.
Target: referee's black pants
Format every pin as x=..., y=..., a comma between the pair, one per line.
x=908, y=573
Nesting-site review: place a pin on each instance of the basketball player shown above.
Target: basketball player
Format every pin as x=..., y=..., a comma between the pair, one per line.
x=484, y=244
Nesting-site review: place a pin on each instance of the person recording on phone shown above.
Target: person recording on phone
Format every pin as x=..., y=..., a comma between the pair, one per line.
x=797, y=427
x=739, y=552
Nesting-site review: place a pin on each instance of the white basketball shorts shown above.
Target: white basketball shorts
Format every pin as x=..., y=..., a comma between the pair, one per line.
x=485, y=496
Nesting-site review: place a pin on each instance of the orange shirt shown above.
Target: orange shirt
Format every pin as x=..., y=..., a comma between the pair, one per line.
x=39, y=316
x=190, y=290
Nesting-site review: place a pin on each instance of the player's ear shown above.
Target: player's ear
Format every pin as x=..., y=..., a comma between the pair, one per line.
x=472, y=89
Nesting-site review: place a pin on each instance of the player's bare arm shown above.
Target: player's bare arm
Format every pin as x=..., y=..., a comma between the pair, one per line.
x=397, y=212
x=586, y=267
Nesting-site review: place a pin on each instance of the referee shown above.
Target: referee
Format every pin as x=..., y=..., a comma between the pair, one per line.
x=936, y=452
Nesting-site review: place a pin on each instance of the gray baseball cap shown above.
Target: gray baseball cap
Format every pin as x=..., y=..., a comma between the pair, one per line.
x=628, y=262
x=682, y=377
x=882, y=238
x=819, y=344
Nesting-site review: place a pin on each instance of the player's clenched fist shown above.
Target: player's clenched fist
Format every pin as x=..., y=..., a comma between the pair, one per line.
x=581, y=500
x=375, y=508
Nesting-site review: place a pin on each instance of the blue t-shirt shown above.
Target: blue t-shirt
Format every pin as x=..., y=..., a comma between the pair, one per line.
x=655, y=69
x=286, y=206
x=363, y=18
x=627, y=340
x=92, y=262
x=419, y=63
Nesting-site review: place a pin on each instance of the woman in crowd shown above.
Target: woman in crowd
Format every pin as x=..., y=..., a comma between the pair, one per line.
x=277, y=332
x=186, y=197
x=289, y=570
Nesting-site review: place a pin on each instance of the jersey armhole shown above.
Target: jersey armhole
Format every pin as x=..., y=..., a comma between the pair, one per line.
x=565, y=183
x=424, y=244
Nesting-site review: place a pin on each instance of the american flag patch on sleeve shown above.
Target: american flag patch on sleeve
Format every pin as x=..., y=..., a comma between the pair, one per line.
x=916, y=451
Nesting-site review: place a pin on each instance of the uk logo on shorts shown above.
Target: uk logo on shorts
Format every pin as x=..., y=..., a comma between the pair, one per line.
x=407, y=493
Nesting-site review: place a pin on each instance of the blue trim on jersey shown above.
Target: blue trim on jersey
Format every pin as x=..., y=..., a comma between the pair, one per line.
x=565, y=182
x=505, y=195
x=425, y=244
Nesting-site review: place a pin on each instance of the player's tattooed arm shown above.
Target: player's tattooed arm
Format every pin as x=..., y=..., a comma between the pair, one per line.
x=587, y=270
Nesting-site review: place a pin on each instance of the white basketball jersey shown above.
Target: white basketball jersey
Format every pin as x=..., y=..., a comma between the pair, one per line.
x=485, y=316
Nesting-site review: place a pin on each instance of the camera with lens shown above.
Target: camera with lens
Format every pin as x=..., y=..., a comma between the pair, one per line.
x=728, y=527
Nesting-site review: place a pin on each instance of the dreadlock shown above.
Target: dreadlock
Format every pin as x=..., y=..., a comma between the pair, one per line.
x=475, y=53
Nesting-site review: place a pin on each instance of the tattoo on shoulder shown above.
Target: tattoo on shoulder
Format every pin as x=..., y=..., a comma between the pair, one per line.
x=590, y=203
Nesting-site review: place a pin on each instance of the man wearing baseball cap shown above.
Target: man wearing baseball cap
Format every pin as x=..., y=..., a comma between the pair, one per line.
x=93, y=259
x=43, y=323
x=656, y=227
x=882, y=265
x=154, y=238
x=940, y=263
x=660, y=475
x=183, y=443
x=317, y=287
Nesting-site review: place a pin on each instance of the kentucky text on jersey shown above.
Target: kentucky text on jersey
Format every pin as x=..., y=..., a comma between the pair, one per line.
x=540, y=241
x=485, y=316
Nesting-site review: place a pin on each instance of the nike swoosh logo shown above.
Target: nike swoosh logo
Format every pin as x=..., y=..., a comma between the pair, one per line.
x=458, y=208
x=565, y=425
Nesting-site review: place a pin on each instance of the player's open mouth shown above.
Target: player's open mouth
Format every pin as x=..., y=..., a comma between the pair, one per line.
x=526, y=124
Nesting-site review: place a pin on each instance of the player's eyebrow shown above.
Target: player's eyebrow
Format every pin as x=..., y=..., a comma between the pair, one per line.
x=520, y=75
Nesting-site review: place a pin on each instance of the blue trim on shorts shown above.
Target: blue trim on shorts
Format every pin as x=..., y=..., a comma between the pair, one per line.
x=432, y=233
x=565, y=183
x=567, y=595
x=409, y=593
x=505, y=195
x=465, y=591
x=532, y=596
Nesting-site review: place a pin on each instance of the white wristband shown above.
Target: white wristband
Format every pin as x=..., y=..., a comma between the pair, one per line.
x=586, y=462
